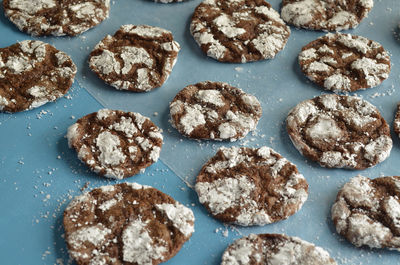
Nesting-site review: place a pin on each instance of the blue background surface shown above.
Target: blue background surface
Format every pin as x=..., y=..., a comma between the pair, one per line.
x=39, y=174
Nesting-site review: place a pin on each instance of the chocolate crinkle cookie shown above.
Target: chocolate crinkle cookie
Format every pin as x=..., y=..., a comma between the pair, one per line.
x=344, y=62
x=327, y=15
x=238, y=31
x=339, y=132
x=250, y=186
x=56, y=17
x=126, y=223
x=274, y=249
x=137, y=58
x=33, y=73
x=396, y=123
x=214, y=110
x=367, y=212
x=115, y=144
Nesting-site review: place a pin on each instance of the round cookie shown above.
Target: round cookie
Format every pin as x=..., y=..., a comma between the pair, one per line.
x=214, y=110
x=33, y=73
x=339, y=132
x=344, y=62
x=126, y=224
x=274, y=249
x=250, y=186
x=396, y=123
x=56, y=17
x=238, y=31
x=137, y=58
x=115, y=144
x=327, y=15
x=367, y=212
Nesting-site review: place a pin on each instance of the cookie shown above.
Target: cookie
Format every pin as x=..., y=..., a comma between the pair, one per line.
x=367, y=212
x=137, y=58
x=214, y=110
x=327, y=15
x=344, y=62
x=33, y=73
x=396, y=123
x=56, y=17
x=126, y=224
x=274, y=249
x=250, y=186
x=238, y=31
x=115, y=144
x=339, y=132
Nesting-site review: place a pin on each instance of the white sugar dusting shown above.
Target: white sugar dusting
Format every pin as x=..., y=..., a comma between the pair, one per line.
x=138, y=246
x=110, y=149
x=181, y=217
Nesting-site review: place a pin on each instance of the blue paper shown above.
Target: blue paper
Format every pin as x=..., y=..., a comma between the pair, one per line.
x=25, y=162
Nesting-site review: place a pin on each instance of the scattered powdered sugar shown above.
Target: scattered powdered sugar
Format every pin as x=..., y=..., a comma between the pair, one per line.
x=181, y=216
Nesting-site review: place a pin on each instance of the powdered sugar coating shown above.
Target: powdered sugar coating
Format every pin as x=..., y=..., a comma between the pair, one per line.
x=396, y=122
x=274, y=249
x=367, y=212
x=238, y=31
x=344, y=62
x=339, y=131
x=126, y=223
x=114, y=143
x=54, y=17
x=33, y=73
x=214, y=110
x=248, y=186
x=137, y=58
x=325, y=15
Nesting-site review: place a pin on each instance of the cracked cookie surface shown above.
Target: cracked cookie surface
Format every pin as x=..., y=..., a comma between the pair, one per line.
x=339, y=132
x=56, y=17
x=116, y=144
x=327, y=15
x=274, y=249
x=33, y=73
x=137, y=58
x=367, y=212
x=214, y=110
x=344, y=62
x=126, y=223
x=238, y=31
x=250, y=186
